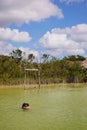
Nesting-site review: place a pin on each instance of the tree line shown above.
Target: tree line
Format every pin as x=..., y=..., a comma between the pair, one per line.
x=52, y=69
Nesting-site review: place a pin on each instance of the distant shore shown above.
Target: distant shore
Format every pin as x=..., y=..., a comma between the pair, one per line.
x=44, y=85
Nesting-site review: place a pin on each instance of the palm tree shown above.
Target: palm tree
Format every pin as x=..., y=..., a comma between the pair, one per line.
x=31, y=58
x=16, y=54
x=45, y=57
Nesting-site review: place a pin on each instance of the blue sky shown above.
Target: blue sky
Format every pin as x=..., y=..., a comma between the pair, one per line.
x=55, y=27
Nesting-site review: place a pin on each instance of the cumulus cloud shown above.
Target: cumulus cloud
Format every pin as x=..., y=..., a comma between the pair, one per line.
x=6, y=48
x=24, y=11
x=14, y=35
x=71, y=1
x=68, y=40
x=28, y=51
x=8, y=36
x=79, y=33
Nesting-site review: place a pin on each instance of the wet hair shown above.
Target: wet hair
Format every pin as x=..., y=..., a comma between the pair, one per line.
x=25, y=105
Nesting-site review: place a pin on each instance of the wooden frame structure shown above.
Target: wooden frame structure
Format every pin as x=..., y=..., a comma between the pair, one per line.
x=37, y=70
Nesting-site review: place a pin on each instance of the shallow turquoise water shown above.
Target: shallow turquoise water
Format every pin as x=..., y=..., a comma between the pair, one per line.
x=51, y=109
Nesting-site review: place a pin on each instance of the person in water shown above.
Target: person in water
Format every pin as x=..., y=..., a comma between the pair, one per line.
x=25, y=106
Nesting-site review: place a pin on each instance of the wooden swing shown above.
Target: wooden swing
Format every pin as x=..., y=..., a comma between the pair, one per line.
x=32, y=70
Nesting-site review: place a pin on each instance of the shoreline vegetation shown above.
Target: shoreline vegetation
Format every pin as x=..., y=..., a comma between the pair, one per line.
x=16, y=70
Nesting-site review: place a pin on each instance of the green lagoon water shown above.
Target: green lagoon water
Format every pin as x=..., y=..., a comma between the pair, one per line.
x=58, y=108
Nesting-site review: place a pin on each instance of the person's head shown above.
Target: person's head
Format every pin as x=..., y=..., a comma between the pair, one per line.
x=25, y=105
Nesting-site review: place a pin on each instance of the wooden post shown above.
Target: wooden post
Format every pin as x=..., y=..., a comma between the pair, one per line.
x=39, y=82
x=25, y=80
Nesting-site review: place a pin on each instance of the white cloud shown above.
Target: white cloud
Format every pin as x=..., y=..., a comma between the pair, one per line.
x=71, y=1
x=8, y=36
x=28, y=51
x=79, y=33
x=24, y=11
x=68, y=40
x=6, y=48
x=14, y=35
x=75, y=51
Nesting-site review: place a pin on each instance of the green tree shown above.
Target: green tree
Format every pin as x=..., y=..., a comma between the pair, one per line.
x=31, y=57
x=17, y=55
x=45, y=57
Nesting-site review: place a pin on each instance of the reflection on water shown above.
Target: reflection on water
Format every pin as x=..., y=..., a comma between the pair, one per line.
x=51, y=109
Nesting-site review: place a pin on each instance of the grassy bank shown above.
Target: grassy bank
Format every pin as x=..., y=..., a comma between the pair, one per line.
x=44, y=85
